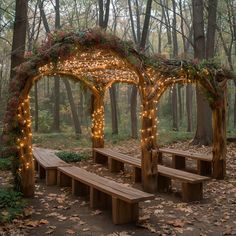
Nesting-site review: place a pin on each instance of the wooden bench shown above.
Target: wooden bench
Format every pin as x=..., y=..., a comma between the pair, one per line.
x=192, y=184
x=104, y=193
x=46, y=163
x=204, y=162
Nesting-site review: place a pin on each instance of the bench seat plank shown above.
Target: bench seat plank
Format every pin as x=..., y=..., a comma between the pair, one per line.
x=197, y=156
x=108, y=186
x=162, y=170
x=47, y=158
x=192, y=184
x=46, y=163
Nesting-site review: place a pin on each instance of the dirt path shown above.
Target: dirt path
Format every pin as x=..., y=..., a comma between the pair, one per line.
x=55, y=211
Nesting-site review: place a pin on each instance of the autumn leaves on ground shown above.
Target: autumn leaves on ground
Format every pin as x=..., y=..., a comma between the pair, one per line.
x=54, y=211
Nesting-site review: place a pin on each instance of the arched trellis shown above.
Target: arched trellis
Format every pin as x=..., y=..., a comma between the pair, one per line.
x=98, y=60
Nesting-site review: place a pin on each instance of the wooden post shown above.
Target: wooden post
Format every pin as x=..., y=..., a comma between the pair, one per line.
x=26, y=168
x=219, y=148
x=97, y=121
x=123, y=212
x=148, y=145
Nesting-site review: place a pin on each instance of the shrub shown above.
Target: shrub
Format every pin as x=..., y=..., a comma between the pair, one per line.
x=72, y=156
x=11, y=205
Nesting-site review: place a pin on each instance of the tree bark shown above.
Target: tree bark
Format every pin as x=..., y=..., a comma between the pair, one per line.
x=133, y=113
x=174, y=103
x=219, y=148
x=189, y=104
x=203, y=133
x=148, y=144
x=97, y=121
x=114, y=118
x=36, y=107
x=19, y=35
x=73, y=108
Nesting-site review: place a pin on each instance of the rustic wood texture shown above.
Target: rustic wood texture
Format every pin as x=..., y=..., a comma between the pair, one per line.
x=204, y=162
x=124, y=203
x=165, y=175
x=47, y=163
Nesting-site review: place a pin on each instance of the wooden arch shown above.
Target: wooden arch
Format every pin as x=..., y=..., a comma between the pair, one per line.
x=99, y=60
x=213, y=81
x=96, y=59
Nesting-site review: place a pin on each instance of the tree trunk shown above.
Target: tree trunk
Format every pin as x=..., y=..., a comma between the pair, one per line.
x=56, y=112
x=19, y=35
x=97, y=127
x=234, y=104
x=114, y=119
x=36, y=112
x=148, y=144
x=219, y=148
x=189, y=103
x=211, y=28
x=180, y=103
x=203, y=134
x=174, y=109
x=133, y=113
x=73, y=108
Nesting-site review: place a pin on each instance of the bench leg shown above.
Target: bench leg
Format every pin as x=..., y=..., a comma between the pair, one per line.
x=35, y=165
x=204, y=168
x=79, y=188
x=114, y=165
x=41, y=172
x=123, y=212
x=163, y=184
x=99, y=199
x=192, y=192
x=51, y=177
x=178, y=162
x=99, y=158
x=137, y=175
x=159, y=158
x=63, y=180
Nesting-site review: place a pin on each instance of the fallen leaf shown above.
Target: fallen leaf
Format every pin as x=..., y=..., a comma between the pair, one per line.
x=176, y=223
x=70, y=231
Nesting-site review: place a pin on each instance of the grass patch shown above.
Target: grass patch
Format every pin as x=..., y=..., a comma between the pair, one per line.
x=11, y=205
x=5, y=163
x=72, y=156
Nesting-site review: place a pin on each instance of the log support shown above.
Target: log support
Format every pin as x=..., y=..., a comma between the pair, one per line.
x=51, y=177
x=178, y=162
x=192, y=192
x=80, y=189
x=149, y=149
x=123, y=212
x=99, y=199
x=219, y=147
x=137, y=175
x=63, y=180
x=164, y=184
x=204, y=168
x=97, y=128
x=114, y=165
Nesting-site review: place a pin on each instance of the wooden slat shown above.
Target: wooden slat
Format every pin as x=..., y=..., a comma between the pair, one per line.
x=107, y=186
x=187, y=154
x=47, y=158
x=181, y=175
x=162, y=170
x=119, y=156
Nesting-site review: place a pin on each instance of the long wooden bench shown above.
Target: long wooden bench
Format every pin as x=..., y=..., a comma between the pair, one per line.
x=104, y=193
x=204, y=162
x=46, y=163
x=192, y=184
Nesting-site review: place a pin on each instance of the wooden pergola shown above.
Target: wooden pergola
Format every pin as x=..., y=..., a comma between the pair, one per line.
x=99, y=60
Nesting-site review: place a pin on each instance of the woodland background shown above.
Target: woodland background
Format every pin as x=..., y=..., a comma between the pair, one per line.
x=184, y=29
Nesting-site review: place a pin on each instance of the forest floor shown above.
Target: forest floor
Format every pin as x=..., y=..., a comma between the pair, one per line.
x=54, y=211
